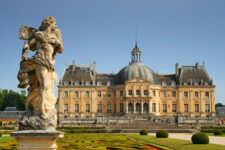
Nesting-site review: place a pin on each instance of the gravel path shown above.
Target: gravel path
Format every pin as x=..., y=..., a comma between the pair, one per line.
x=212, y=139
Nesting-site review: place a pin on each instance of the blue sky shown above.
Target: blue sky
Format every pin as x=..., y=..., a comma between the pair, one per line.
x=169, y=31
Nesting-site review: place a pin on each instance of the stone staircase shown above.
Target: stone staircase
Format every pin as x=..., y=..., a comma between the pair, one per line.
x=152, y=127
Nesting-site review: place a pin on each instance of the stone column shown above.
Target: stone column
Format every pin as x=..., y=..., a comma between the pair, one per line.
x=149, y=107
x=37, y=139
x=134, y=105
x=142, y=107
x=202, y=104
x=126, y=106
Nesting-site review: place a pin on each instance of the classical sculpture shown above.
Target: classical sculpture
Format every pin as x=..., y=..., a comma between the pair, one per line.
x=38, y=73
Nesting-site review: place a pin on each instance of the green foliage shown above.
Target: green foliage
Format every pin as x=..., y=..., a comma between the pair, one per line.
x=10, y=98
x=217, y=132
x=143, y=132
x=162, y=134
x=0, y=134
x=207, y=131
x=200, y=138
x=0, y=123
x=7, y=128
x=220, y=105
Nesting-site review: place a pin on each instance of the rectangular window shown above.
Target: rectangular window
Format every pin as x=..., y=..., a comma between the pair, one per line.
x=114, y=108
x=196, y=108
x=87, y=94
x=164, y=107
x=87, y=107
x=121, y=93
x=108, y=108
x=164, y=93
x=174, y=108
x=186, y=94
x=99, y=93
x=207, y=108
x=65, y=107
x=130, y=92
x=186, y=108
x=121, y=107
x=153, y=107
x=66, y=94
x=99, y=108
x=76, y=94
x=207, y=94
x=137, y=92
x=145, y=92
x=174, y=94
x=196, y=94
x=76, y=107
x=153, y=93
x=109, y=94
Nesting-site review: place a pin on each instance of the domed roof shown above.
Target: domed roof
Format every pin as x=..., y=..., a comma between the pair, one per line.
x=136, y=70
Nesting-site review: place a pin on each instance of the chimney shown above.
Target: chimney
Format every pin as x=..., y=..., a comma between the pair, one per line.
x=177, y=69
x=94, y=72
x=73, y=66
x=197, y=65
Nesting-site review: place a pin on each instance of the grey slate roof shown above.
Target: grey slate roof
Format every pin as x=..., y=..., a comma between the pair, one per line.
x=167, y=78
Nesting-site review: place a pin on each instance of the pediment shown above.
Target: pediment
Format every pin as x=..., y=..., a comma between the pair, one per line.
x=137, y=80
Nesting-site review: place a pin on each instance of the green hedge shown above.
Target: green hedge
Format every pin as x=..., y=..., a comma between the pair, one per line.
x=217, y=132
x=222, y=128
x=211, y=130
x=7, y=128
x=200, y=138
x=143, y=132
x=162, y=134
x=72, y=128
x=84, y=131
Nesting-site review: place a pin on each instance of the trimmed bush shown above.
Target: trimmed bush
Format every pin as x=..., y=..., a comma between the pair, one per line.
x=0, y=134
x=162, y=134
x=143, y=132
x=200, y=138
x=217, y=132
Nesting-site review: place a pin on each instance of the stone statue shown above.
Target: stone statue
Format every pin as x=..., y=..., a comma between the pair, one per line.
x=38, y=73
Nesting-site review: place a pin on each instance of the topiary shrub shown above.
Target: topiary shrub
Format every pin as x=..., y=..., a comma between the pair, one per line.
x=143, y=132
x=200, y=138
x=217, y=132
x=162, y=134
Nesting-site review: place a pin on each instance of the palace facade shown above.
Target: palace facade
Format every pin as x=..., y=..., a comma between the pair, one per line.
x=135, y=90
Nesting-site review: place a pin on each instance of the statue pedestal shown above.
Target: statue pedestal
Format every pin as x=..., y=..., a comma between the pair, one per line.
x=37, y=139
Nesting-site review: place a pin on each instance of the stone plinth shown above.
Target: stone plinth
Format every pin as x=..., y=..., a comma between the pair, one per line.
x=37, y=139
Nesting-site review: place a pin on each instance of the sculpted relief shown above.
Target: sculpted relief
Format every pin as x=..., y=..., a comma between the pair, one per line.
x=38, y=74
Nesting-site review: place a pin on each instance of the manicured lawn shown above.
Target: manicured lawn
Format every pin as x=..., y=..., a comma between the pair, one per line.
x=93, y=141
x=177, y=144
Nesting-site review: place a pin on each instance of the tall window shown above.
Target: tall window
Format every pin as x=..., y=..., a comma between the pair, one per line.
x=153, y=107
x=65, y=107
x=186, y=108
x=99, y=108
x=145, y=92
x=174, y=94
x=196, y=94
x=108, y=108
x=196, y=108
x=109, y=94
x=186, y=94
x=99, y=93
x=76, y=94
x=76, y=107
x=173, y=107
x=87, y=107
x=66, y=94
x=137, y=92
x=207, y=94
x=153, y=93
x=130, y=92
x=121, y=107
x=87, y=94
x=164, y=107
x=114, y=108
x=121, y=93
x=164, y=93
x=207, y=108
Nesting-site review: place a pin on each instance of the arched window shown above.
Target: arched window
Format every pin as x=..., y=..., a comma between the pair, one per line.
x=76, y=83
x=99, y=83
x=108, y=83
x=196, y=83
x=130, y=108
x=66, y=83
x=164, y=83
x=146, y=107
x=87, y=83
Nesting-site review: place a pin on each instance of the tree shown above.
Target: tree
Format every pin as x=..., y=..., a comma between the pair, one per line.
x=220, y=105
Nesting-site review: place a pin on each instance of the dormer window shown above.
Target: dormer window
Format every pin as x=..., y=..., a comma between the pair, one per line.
x=185, y=83
x=76, y=82
x=196, y=83
x=99, y=83
x=164, y=83
x=87, y=83
x=173, y=83
x=108, y=83
x=66, y=83
x=206, y=83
